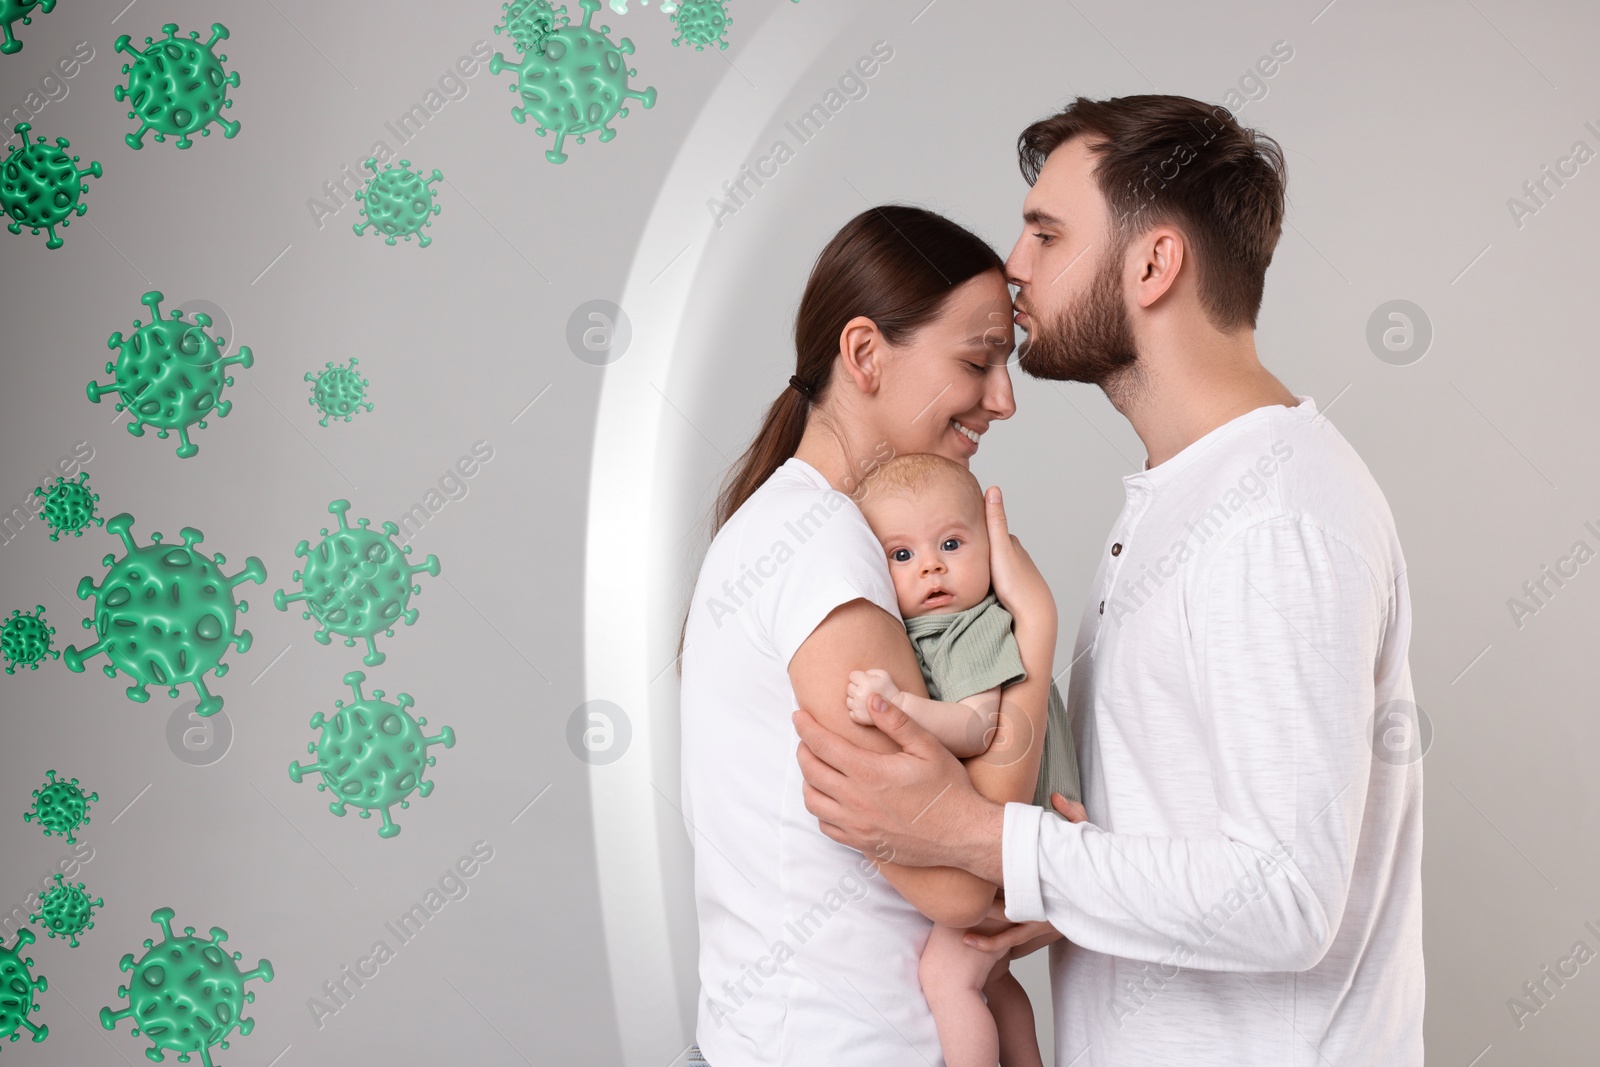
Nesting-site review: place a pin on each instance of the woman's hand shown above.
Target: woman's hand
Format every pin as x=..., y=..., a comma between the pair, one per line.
x=1018, y=584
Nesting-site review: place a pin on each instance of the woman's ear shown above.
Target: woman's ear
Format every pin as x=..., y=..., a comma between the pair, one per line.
x=861, y=350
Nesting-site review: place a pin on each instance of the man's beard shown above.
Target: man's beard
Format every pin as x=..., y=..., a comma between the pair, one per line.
x=1091, y=343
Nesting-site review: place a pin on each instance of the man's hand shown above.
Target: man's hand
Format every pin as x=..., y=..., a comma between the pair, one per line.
x=860, y=689
x=1021, y=939
x=917, y=805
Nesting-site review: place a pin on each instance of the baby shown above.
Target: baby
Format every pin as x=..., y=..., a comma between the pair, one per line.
x=928, y=512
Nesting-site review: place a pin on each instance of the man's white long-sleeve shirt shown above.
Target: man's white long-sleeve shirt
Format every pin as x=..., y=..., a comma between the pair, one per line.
x=1247, y=890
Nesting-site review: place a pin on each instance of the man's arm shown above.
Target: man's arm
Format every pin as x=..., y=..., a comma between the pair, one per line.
x=855, y=636
x=1288, y=625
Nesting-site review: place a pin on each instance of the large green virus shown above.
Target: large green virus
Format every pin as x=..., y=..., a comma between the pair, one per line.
x=65, y=910
x=187, y=993
x=338, y=391
x=702, y=22
x=169, y=374
x=398, y=202
x=40, y=185
x=576, y=84
x=69, y=506
x=176, y=85
x=356, y=583
x=60, y=807
x=25, y=640
x=165, y=614
x=17, y=987
x=529, y=22
x=11, y=11
x=372, y=754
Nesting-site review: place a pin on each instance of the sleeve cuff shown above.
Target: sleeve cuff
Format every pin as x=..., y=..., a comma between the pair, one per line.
x=1019, y=862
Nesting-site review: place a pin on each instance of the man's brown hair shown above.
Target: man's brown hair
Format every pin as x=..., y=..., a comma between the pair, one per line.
x=1176, y=160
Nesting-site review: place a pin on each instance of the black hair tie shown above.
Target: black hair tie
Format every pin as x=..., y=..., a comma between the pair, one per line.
x=801, y=387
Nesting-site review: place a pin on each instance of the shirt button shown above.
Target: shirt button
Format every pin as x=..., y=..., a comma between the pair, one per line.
x=1116, y=549
x=1102, y=607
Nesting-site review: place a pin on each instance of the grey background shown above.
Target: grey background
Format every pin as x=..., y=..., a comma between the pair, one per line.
x=565, y=565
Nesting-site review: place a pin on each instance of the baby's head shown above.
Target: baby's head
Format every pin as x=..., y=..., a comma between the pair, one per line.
x=928, y=512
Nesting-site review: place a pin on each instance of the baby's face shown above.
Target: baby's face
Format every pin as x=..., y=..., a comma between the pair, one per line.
x=938, y=549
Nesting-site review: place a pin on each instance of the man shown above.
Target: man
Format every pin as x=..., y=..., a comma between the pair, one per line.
x=1247, y=888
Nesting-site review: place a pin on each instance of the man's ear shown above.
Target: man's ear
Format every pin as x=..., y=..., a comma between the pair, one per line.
x=1158, y=256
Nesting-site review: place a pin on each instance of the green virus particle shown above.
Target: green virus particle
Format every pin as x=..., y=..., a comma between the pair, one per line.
x=60, y=807
x=176, y=85
x=529, y=22
x=40, y=185
x=187, y=993
x=11, y=11
x=398, y=202
x=170, y=374
x=356, y=582
x=165, y=614
x=69, y=506
x=25, y=640
x=702, y=22
x=372, y=754
x=338, y=391
x=17, y=987
x=576, y=85
x=65, y=910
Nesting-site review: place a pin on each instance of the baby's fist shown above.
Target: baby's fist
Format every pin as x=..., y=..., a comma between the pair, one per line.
x=862, y=685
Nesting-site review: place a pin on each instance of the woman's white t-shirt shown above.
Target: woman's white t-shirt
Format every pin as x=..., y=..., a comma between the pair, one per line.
x=807, y=955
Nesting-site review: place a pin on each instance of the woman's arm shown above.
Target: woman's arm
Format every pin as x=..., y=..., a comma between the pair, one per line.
x=859, y=635
x=965, y=727
x=1009, y=769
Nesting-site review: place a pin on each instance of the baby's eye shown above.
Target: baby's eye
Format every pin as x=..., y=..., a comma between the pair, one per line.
x=951, y=544
x=900, y=555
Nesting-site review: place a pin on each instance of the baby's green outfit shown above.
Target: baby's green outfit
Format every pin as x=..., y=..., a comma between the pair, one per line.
x=971, y=651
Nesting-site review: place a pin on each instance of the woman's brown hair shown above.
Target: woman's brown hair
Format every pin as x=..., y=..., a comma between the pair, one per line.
x=896, y=265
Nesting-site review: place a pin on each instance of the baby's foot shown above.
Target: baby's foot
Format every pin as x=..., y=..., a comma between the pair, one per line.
x=862, y=685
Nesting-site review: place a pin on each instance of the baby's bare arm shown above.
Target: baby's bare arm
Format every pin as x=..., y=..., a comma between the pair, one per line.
x=965, y=727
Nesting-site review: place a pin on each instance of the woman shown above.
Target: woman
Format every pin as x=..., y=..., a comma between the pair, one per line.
x=806, y=956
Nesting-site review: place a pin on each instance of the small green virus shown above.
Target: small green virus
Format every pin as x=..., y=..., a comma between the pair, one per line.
x=187, y=994
x=702, y=22
x=372, y=754
x=170, y=374
x=25, y=640
x=164, y=614
x=529, y=22
x=338, y=391
x=60, y=807
x=69, y=506
x=356, y=582
x=398, y=202
x=576, y=84
x=65, y=910
x=11, y=11
x=17, y=987
x=176, y=85
x=41, y=185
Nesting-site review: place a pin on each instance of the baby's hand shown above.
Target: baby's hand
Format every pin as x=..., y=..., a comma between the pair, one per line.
x=862, y=685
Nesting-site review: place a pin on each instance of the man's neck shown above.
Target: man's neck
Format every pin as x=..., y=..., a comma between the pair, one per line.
x=1173, y=402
